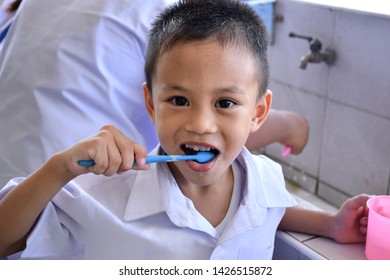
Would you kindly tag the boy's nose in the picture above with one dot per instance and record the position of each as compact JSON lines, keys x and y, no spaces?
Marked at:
{"x":201,"y":122}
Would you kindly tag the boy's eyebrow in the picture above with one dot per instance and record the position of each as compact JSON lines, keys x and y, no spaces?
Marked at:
{"x":170,"y":87}
{"x":229,"y":89}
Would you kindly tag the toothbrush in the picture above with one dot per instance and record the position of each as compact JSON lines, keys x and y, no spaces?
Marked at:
{"x":287,"y":150}
{"x":200,"y":157}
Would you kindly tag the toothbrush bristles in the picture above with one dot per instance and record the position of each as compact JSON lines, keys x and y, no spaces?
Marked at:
{"x":203,"y":157}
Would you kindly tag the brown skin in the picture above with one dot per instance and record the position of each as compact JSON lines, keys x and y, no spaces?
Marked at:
{"x":348,"y":225}
{"x":285,"y":127}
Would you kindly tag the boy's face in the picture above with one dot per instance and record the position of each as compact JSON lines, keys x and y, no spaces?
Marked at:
{"x":205,"y":97}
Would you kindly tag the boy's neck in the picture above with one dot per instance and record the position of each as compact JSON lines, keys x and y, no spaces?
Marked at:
{"x":212,"y":201}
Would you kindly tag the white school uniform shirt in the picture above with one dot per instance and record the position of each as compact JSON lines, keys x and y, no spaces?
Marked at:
{"x":144,"y":215}
{"x":68,"y":67}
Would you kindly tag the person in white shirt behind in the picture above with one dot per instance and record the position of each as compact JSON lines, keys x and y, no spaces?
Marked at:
{"x":206,"y":90}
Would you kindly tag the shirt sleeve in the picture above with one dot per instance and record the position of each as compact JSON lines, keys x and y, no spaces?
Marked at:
{"x":58,"y":234}
{"x":273,"y":182}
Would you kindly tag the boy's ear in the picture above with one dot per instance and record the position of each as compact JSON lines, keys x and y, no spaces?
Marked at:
{"x":262,"y":109}
{"x":148,"y":101}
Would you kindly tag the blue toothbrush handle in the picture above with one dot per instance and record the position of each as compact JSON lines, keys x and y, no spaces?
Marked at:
{"x":200,"y":157}
{"x":149,"y":159}
{"x":158,"y":158}
{"x":86,"y":163}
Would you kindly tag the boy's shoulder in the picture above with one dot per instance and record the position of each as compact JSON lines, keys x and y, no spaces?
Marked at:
{"x":260,"y":162}
{"x":265,"y":179}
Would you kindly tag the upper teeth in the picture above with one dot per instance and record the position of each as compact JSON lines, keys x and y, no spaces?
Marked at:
{"x":198,"y":148}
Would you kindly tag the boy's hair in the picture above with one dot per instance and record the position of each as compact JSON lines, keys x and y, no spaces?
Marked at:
{"x":230,"y":22}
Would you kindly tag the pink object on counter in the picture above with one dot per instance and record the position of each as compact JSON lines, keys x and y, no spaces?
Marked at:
{"x":287,"y":150}
{"x":378,"y":229}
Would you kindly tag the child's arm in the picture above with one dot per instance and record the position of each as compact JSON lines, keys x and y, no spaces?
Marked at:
{"x":348,"y":225}
{"x":285,"y":127}
{"x":20,"y":208}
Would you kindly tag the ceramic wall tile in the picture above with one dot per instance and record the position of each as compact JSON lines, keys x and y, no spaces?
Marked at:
{"x":360,"y":77}
{"x":300,"y":177}
{"x":355,"y":155}
{"x":286,"y":52}
{"x":331,"y":195}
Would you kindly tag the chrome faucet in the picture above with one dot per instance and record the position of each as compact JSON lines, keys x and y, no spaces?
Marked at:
{"x":315,"y":55}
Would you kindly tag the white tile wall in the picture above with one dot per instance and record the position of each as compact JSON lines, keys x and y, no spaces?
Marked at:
{"x":285,"y":54}
{"x":361,"y":78}
{"x":356,"y":151}
{"x":331,"y":194}
{"x":346,"y":104}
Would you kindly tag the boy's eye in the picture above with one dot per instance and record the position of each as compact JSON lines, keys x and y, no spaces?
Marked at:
{"x":225,"y":103}
{"x":179,"y":101}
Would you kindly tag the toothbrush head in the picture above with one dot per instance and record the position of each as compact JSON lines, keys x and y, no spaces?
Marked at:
{"x":203,"y":157}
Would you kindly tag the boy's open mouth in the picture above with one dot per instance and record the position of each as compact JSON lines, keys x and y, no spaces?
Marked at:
{"x":193,"y":149}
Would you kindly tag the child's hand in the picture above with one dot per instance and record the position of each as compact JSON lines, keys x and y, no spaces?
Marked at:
{"x":111,"y":151}
{"x":350,"y":223}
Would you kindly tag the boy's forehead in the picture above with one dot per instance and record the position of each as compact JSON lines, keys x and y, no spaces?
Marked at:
{"x":195,"y":49}
{"x":205,"y":60}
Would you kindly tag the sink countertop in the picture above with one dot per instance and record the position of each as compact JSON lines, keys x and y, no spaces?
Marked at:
{"x":306,"y":246}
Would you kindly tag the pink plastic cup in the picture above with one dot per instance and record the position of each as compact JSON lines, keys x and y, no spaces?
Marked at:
{"x":378,"y":228}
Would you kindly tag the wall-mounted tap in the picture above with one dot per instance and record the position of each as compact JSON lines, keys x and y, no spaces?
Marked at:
{"x":315,"y":55}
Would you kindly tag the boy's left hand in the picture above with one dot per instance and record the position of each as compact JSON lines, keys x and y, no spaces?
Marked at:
{"x":350,"y":223}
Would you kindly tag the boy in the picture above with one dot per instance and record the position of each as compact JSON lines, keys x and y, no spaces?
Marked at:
{"x":54,"y":89}
{"x":206,"y":89}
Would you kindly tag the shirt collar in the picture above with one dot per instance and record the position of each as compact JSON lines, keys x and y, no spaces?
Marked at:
{"x":265,"y":183}
{"x":155,"y":191}
{"x":264,"y":188}
{"x":144,"y":199}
